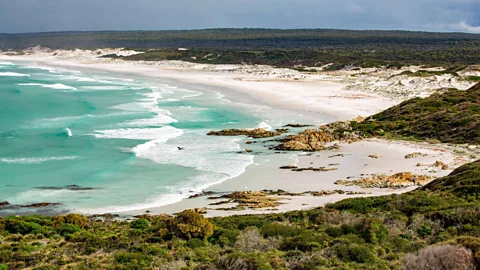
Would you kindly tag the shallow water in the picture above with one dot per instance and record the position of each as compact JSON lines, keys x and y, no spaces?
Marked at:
{"x":139,"y":143}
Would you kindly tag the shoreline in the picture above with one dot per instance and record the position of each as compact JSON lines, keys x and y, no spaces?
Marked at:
{"x":338,"y":104}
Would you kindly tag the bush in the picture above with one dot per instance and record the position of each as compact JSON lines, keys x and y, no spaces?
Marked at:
{"x":190,"y":224}
{"x":14,"y":225}
{"x":439,"y":257}
{"x":75,"y":219}
{"x":140,"y":224}
{"x":251,"y":240}
{"x":307,"y":241}
{"x":424,"y":230}
{"x":133,"y":260}
{"x":3,"y":267}
{"x":66,"y":229}
{"x":195,"y":243}
{"x":279,"y":229}
{"x":354,"y":253}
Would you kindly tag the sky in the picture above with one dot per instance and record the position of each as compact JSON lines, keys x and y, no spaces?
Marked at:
{"x":19,"y":16}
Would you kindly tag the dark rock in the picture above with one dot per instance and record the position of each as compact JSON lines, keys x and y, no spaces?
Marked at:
{"x":252,"y":133}
{"x":5,"y":203}
{"x":297,"y":125}
{"x":40,"y":205}
{"x":288,"y":167}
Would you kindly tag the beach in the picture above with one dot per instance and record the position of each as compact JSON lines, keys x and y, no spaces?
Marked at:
{"x":291,"y":96}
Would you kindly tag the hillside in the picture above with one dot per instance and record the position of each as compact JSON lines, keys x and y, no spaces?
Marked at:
{"x":464,"y":181}
{"x":450,"y":117}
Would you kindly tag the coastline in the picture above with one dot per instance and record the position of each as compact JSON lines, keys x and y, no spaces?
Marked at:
{"x":332,"y":103}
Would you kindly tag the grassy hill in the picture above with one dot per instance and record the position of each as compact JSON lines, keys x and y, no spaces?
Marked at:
{"x":450,"y":117}
{"x":464,"y":181}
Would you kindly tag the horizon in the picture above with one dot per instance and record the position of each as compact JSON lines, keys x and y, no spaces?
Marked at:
{"x":244,"y":28}
{"x":30,"y":16}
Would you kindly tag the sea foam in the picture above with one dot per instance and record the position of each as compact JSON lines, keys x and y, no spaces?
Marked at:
{"x":13,"y":74}
{"x":34,"y":160}
{"x":52,"y":86}
{"x":158,"y":134}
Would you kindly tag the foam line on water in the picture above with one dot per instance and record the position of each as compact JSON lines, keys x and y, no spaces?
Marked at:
{"x":216,"y":159}
{"x":13,"y":74}
{"x":49,"y":69}
{"x":6,"y":63}
{"x":34,"y":160}
{"x":58,"y":86}
{"x":162,"y":134}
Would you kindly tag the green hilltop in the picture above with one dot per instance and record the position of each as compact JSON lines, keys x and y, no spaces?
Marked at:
{"x":450,"y":117}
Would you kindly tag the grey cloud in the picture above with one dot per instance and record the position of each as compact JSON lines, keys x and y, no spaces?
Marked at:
{"x":60,"y":15}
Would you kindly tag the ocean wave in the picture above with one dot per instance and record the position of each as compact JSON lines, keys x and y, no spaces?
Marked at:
{"x":105,"y":87}
{"x":264,"y":126}
{"x":216,"y":159}
{"x":158,"y":120}
{"x":165,"y":199}
{"x":34,"y":160}
{"x":218,"y":155}
{"x":58,"y":86}
{"x":13,"y":74}
{"x":153,"y":135}
{"x":49,"y":69}
{"x":65,"y":121}
{"x":6,"y":63}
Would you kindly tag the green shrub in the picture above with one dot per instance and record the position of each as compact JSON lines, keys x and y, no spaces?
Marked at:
{"x":279,"y":229}
{"x":195,"y":243}
{"x":354,"y":253}
{"x":79,"y":220}
{"x":3,"y":267}
{"x":140,"y":224}
{"x":190,"y":224}
{"x":424,"y":230}
{"x":66,"y":229}
{"x":14,"y":225}
{"x":133,"y":260}
{"x":306,"y":241}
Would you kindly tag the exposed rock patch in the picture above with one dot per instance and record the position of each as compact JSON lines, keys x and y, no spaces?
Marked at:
{"x":297,"y":125}
{"x":415,"y":155}
{"x":319,"y":139}
{"x":252,"y":133}
{"x":399,"y":180}
{"x":69,"y":187}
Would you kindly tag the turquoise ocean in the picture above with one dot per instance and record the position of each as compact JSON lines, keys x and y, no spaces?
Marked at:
{"x":136,"y":142}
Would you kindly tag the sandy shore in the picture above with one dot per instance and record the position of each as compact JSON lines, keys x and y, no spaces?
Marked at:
{"x":320,"y":96}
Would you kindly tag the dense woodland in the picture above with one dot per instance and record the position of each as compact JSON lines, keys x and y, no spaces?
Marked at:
{"x":285,"y":48}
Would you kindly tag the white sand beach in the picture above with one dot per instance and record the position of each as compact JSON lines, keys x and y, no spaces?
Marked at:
{"x":324,"y":96}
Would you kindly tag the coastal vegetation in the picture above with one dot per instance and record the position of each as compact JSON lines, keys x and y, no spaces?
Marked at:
{"x":297,"y":48}
{"x":390,"y":232}
{"x":450,"y":117}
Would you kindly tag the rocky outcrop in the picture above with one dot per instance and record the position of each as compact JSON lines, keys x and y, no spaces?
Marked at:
{"x":312,"y":140}
{"x":8,"y":206}
{"x":320,"y":169}
{"x":415,"y":155}
{"x":289,"y":167}
{"x":297,"y":125}
{"x":248,"y":199}
{"x":252,"y":133}
{"x":399,"y":180}
{"x":69,"y":187}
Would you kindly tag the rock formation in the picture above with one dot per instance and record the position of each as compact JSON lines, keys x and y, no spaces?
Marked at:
{"x":252,"y":133}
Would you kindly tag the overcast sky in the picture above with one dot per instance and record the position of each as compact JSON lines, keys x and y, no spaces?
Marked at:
{"x":60,"y":15}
